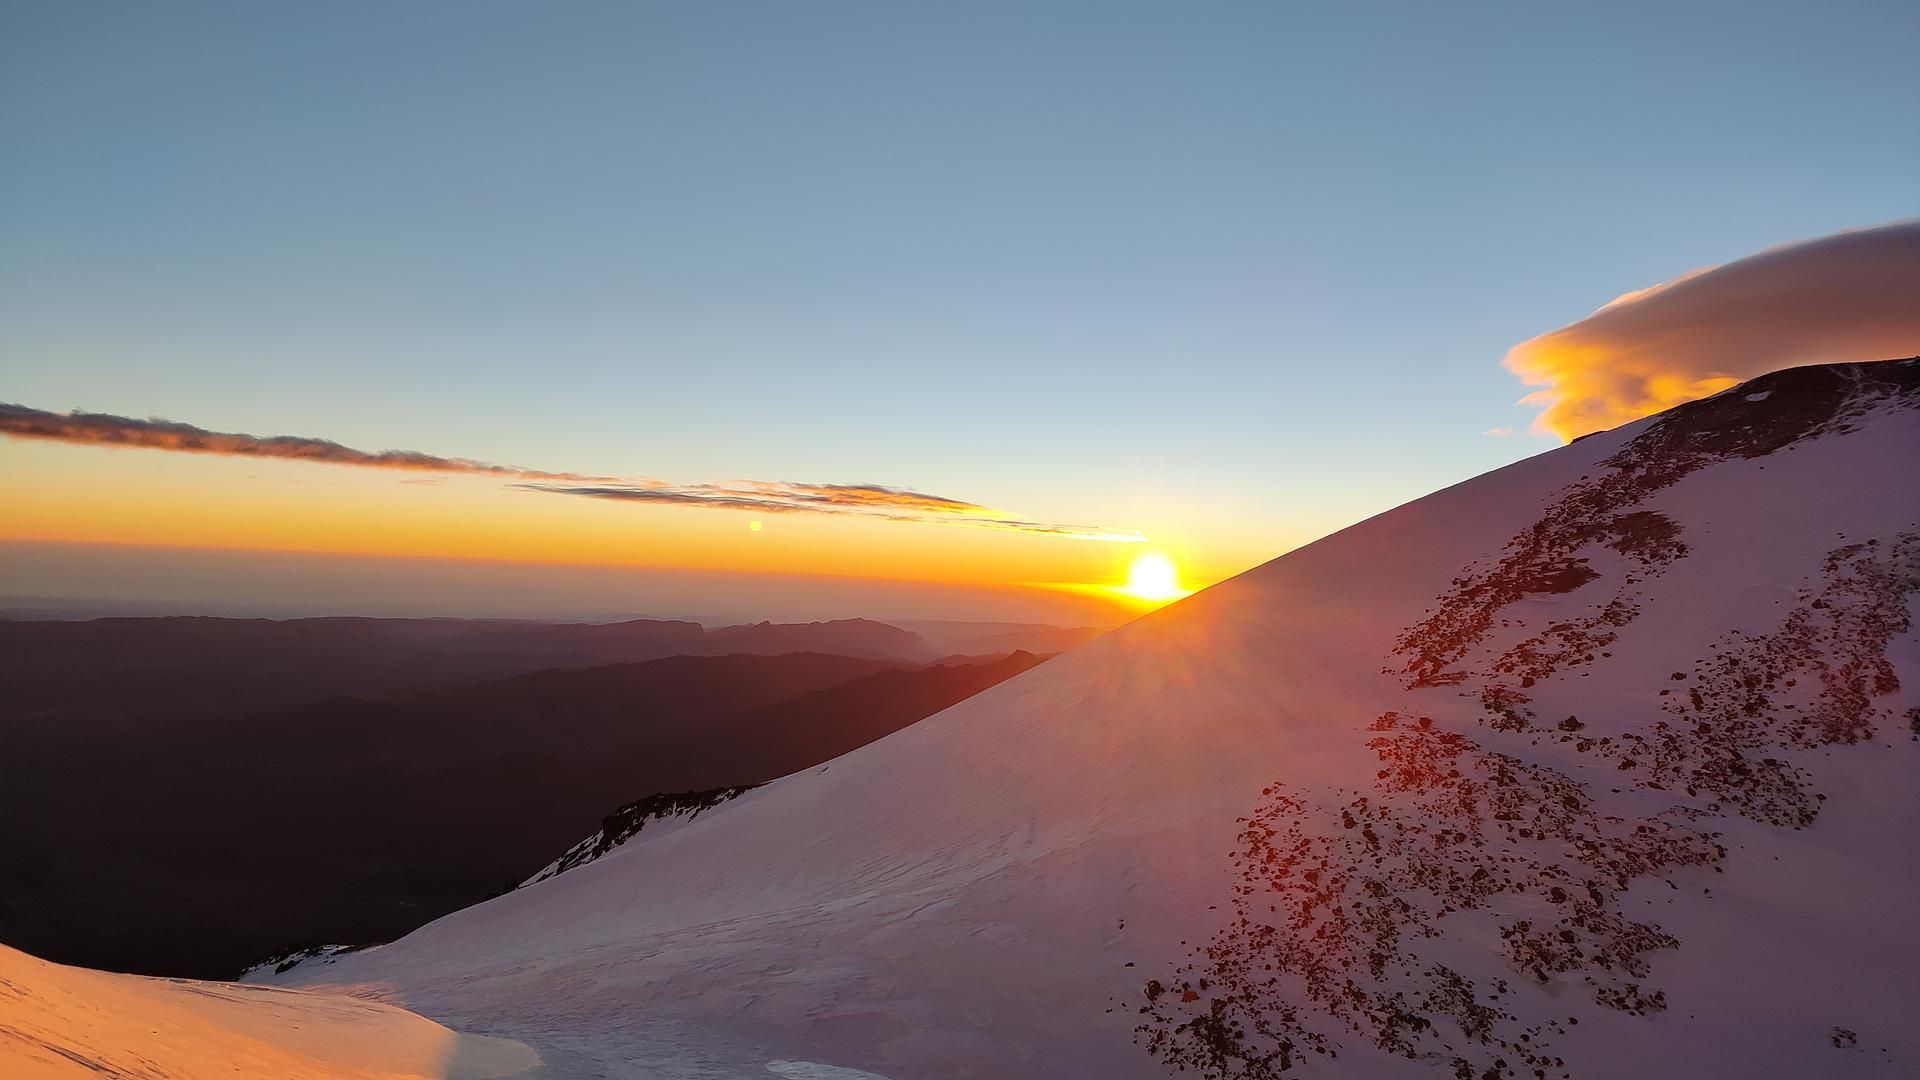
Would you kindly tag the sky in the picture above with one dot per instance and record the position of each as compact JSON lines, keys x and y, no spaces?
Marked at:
{"x":1203,"y":281}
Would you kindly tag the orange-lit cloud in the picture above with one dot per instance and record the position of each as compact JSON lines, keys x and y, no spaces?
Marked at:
{"x":867,"y":500}
{"x":1850,"y":296}
{"x":864,"y":500}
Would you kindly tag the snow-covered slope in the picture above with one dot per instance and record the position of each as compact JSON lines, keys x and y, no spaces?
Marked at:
{"x":666,"y":812}
{"x":1600,"y":765}
{"x":58,"y":1022}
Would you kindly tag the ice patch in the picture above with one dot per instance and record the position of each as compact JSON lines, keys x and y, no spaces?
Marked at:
{"x":813,"y":1070}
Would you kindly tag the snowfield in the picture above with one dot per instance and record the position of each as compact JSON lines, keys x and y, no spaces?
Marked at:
{"x":1602,"y":765}
{"x":1434,"y":796}
{"x":59,"y":1022}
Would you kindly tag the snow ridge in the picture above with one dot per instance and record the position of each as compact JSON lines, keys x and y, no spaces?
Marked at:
{"x":1631,"y":796}
{"x":625,"y":823}
{"x":1339,"y":908}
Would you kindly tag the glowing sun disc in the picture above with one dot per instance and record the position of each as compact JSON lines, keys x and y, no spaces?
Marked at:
{"x":1153,"y":577}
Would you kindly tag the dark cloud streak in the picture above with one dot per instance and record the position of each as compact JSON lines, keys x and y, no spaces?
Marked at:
{"x":875,"y":501}
{"x":105,"y":429}
{"x":872,"y":501}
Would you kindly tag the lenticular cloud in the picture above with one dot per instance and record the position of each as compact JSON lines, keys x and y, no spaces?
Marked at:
{"x":1850,"y":296}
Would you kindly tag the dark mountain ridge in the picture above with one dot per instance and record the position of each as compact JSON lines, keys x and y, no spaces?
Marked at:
{"x":196,"y":846}
{"x":115,"y":668}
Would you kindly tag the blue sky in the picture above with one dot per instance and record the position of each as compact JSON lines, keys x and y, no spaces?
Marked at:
{"x":1246,"y":271}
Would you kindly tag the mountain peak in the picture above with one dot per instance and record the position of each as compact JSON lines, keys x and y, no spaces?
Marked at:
{"x":1598,"y":765}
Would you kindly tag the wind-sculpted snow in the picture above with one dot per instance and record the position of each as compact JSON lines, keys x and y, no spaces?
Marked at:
{"x":67,"y":1023}
{"x":1348,"y":903}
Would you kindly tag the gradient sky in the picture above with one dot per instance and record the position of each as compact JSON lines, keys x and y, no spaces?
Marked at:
{"x":1232,"y":276}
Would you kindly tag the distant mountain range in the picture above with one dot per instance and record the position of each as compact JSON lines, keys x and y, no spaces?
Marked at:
{"x":177,"y":797}
{"x":1601,"y":765}
{"x":153,"y":666}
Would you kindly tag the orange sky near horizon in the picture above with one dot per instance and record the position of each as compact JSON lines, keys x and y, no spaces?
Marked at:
{"x":1164,"y":274}
{"x":60,"y":493}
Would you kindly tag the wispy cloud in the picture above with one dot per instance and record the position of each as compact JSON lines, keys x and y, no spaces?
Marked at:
{"x":867,"y":500}
{"x":1850,"y":296}
{"x":875,"y":501}
{"x":105,"y":429}
{"x":1498,"y":433}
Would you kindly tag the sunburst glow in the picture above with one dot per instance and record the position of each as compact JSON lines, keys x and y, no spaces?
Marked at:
{"x":1154,"y":578}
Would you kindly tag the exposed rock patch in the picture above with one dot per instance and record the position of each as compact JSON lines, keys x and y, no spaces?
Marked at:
{"x":1338,"y":895}
{"x":627,"y":822}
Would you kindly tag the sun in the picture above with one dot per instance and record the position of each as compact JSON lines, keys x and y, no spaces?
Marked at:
{"x":1153,"y":578}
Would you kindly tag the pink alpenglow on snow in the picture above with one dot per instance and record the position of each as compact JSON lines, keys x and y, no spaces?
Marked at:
{"x":1599,"y":765}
